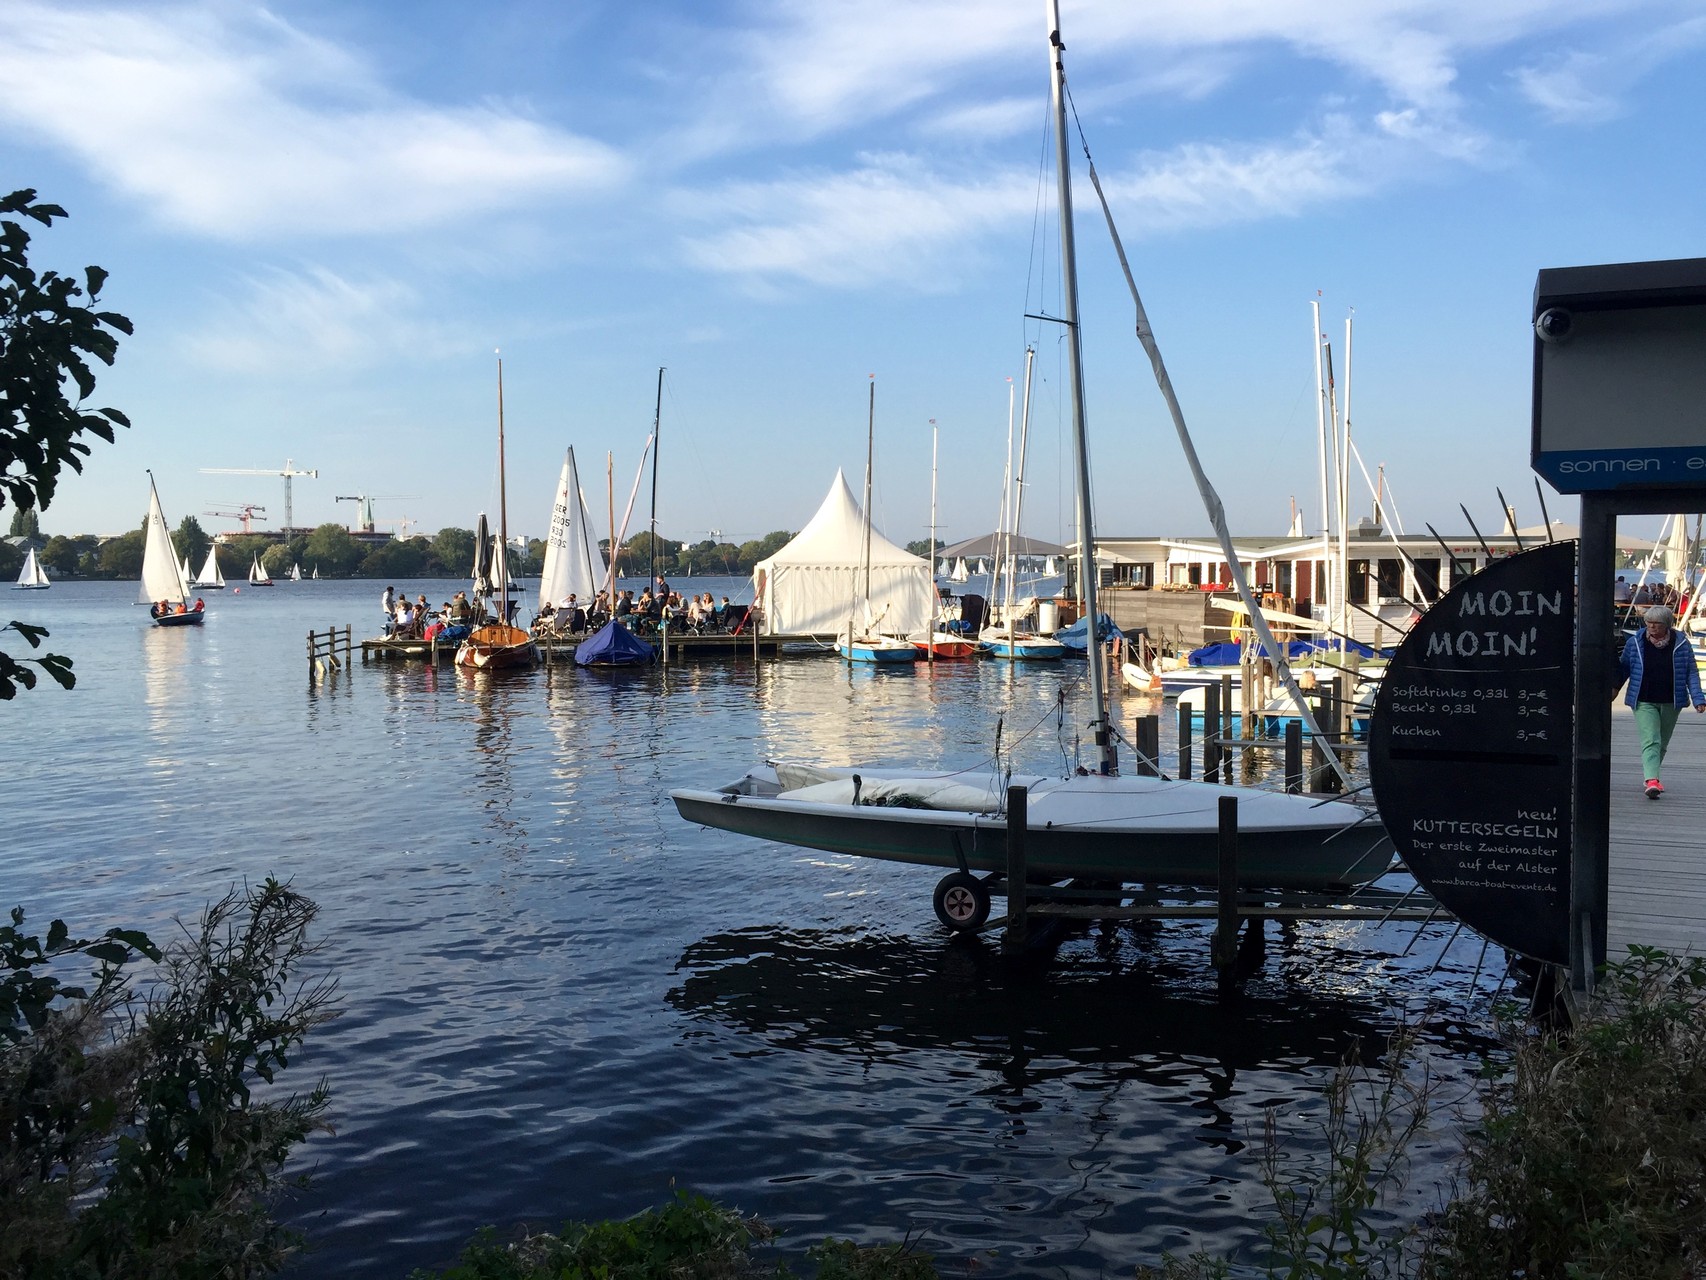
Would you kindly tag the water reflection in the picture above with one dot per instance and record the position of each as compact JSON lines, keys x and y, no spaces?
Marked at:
{"x":1118,"y":1007}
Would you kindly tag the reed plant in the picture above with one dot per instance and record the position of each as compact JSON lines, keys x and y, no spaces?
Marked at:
{"x":132,"y":1140}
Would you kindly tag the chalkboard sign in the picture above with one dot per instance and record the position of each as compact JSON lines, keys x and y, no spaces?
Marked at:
{"x":1470,"y":750}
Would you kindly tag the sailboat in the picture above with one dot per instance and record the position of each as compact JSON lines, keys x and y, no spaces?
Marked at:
{"x":960,"y":572}
{"x":316,"y":574}
{"x":259,"y":577}
{"x":940,"y":642}
{"x":296,"y":573}
{"x":210,"y":579}
{"x":573,"y":564}
{"x":867,"y":643}
{"x":1008,"y":640}
{"x":31,"y":578}
{"x":1093,"y":824}
{"x":498,"y":646}
{"x":163,"y":586}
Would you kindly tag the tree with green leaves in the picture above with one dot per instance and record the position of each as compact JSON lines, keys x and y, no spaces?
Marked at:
{"x":26,"y":524}
{"x":48,"y":339}
{"x":191,"y":541}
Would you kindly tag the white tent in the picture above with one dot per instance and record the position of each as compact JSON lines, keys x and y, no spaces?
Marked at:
{"x":811,"y":585}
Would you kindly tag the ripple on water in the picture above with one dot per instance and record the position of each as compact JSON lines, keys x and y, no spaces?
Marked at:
{"x":558,"y":997}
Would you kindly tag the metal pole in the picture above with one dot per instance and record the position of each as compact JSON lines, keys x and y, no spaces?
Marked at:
{"x":1590,"y":860}
{"x":1075,"y":367}
{"x":657,"y":420}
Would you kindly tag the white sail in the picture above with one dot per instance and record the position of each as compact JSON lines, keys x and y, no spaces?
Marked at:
{"x":184,"y":569}
{"x":162,"y":579}
{"x":983,"y":568}
{"x":257,"y":574}
{"x":296,"y":573}
{"x":960,"y":573}
{"x":572,"y":559}
{"x":210,"y":575}
{"x":32,"y":575}
{"x":1051,"y":569}
{"x":316,"y":574}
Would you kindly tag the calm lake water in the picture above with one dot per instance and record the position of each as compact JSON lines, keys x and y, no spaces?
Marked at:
{"x":559,"y":997}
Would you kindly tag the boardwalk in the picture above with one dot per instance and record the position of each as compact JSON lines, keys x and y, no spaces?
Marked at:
{"x":1658,"y":847}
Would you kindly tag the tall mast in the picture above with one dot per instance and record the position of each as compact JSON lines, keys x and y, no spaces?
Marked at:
{"x":1322,"y":597}
{"x":1019,"y":489}
{"x":870,"y":455}
{"x":1075,"y":367}
{"x":657,"y":420}
{"x":503,"y":507}
{"x":930,"y":648}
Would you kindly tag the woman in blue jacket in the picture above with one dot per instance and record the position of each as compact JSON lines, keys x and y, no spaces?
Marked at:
{"x":1658,"y":662}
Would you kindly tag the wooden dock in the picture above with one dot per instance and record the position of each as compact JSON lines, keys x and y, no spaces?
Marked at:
{"x":682,"y":647}
{"x":1658,"y":847}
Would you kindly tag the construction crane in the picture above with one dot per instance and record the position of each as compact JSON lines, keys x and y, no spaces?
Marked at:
{"x":245,"y":513}
{"x":288,"y":472}
{"x":364,"y":511}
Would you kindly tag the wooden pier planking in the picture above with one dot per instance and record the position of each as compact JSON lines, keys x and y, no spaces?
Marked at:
{"x":1658,"y":847}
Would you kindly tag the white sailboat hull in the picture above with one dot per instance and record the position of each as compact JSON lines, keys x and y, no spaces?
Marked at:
{"x":1133,"y":830}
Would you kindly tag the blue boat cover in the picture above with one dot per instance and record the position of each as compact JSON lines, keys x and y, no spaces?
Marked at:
{"x":1227,"y":653}
{"x":615,"y":646}
{"x":1076,"y":637}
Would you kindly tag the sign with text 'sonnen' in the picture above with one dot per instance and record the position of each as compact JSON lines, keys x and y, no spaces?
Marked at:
{"x":1470,"y":750}
{"x":1620,"y":375}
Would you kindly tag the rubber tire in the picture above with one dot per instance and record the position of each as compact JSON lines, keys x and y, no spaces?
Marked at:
{"x":961,"y":902}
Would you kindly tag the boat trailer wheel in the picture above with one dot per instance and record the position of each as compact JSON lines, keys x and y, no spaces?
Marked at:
{"x":961,"y":901}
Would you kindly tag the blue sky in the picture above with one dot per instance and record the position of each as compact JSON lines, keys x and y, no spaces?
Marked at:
{"x":324,"y":216}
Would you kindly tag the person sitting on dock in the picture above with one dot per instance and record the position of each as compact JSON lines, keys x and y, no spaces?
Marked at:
{"x":459,"y":608}
{"x":405,"y":622}
{"x":624,"y":604}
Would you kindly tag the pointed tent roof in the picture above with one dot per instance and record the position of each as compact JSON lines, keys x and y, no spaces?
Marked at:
{"x":836,"y":536}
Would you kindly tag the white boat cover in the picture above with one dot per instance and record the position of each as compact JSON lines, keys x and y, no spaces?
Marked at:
{"x":806,"y":588}
{"x":572,"y":559}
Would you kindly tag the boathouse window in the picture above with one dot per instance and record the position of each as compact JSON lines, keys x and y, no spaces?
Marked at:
{"x":1193,"y":574}
{"x":1390,"y":576}
{"x":1282,"y":577}
{"x":1358,"y":584}
{"x":1427,"y":579}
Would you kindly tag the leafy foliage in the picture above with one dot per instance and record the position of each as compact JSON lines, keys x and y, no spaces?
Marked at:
{"x":15,"y":673}
{"x":46,"y":338}
{"x":134,"y":1145}
{"x":689,"y":1238}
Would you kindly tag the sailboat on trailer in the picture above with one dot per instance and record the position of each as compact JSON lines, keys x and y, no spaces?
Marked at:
{"x":163,"y":587}
{"x":1097,"y":825}
{"x":499,"y":645}
{"x":31,"y":578}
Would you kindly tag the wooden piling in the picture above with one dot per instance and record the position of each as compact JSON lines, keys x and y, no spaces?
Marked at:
{"x":1184,"y":770}
{"x":1018,"y":917}
{"x":1224,"y":948}
{"x":1294,"y":755}
{"x":1146,"y":743}
{"x":1226,"y":753}
{"x":1211,"y":733}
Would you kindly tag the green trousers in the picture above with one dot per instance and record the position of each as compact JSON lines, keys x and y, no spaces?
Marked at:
{"x":1655,"y":722}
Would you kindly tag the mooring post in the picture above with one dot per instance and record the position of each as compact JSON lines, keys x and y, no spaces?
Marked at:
{"x":1146,"y":741}
{"x":1018,"y":920}
{"x":1224,"y":949}
{"x":663,"y":635}
{"x":1226,"y":731}
{"x":1294,"y":755}
{"x":1184,"y":742}
{"x":1211,"y":733}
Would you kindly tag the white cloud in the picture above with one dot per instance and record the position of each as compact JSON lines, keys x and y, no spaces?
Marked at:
{"x":316,"y":320}
{"x":896,"y":219}
{"x":230,"y":123}
{"x":1577,"y":87}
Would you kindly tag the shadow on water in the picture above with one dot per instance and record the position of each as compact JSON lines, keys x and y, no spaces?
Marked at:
{"x":1121,"y":1005}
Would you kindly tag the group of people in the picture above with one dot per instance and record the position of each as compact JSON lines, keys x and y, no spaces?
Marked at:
{"x":160,"y":608}
{"x":652,"y":609}
{"x":407,"y":619}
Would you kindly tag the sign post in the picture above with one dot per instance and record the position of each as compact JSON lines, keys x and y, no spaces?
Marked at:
{"x":1619,"y":418}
